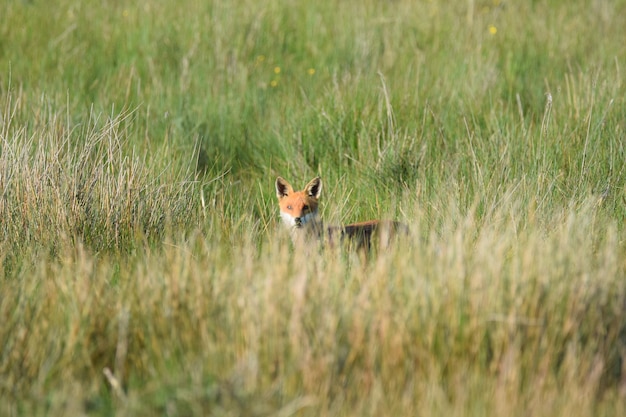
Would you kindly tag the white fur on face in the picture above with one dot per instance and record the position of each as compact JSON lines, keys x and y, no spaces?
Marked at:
{"x":290,"y":221}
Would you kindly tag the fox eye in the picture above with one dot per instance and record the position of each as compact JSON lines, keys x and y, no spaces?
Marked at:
{"x":289,"y":208}
{"x":305,"y":208}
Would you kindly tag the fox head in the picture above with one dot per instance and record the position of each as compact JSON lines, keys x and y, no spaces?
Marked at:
{"x":298,"y":208}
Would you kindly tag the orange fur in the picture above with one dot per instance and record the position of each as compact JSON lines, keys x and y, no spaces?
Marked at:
{"x":299,"y":213}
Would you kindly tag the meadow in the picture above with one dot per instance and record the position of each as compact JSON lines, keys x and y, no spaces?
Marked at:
{"x":143,"y":270}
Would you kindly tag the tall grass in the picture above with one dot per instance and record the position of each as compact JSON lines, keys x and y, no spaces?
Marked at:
{"x":475,"y":317}
{"x":63,"y":183}
{"x":143,"y":271}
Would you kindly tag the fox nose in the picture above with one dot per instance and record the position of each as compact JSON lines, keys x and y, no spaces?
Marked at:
{"x":298,"y":221}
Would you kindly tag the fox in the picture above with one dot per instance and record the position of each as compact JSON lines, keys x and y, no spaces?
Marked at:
{"x":299,"y":214}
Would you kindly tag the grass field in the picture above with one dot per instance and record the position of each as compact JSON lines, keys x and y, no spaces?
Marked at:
{"x":143,"y":270}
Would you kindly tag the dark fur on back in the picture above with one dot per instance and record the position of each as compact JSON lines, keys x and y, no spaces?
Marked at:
{"x":360,"y":234}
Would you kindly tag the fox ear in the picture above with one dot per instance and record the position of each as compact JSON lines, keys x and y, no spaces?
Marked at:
{"x":283,"y":188}
{"x":314,"y":188}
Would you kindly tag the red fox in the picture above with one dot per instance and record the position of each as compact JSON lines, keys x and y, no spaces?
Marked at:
{"x":298,"y":211}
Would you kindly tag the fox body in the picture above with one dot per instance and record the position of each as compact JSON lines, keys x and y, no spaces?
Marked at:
{"x":299,"y":213}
